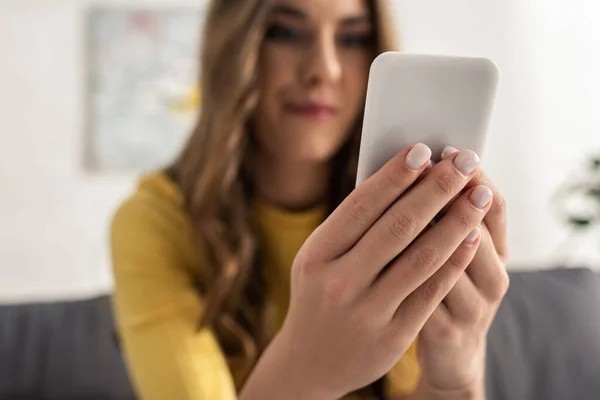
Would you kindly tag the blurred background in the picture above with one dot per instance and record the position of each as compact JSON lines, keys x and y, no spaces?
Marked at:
{"x":60,"y":179}
{"x":95,"y":92}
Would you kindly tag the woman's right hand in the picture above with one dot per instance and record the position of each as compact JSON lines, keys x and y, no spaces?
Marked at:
{"x":366,"y":281}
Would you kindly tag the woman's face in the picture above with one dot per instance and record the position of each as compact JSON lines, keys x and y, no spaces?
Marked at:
{"x":313,"y":75}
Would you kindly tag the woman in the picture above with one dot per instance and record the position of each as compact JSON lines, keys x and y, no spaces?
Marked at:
{"x":252,"y":269}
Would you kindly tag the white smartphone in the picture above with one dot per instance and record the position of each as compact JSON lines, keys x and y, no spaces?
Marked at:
{"x":437,"y":100}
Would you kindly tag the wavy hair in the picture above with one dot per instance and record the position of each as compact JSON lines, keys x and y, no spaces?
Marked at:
{"x":214,"y":173}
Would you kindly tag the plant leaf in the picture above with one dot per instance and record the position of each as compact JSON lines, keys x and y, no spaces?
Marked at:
{"x":580,"y":222}
{"x":594,"y":192}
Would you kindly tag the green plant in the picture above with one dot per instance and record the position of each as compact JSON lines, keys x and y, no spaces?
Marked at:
{"x":580,"y":200}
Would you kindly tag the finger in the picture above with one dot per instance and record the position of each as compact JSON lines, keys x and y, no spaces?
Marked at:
{"x":423,"y":232}
{"x":448,"y":151}
{"x":424,"y":173}
{"x":464,"y":302}
{"x":431,"y":251}
{"x":345,"y":226}
{"x":426,"y":300}
{"x":487,"y":271}
{"x":407,"y":217}
{"x":495,"y":220}
{"x":446,"y":207}
{"x":440,"y":317}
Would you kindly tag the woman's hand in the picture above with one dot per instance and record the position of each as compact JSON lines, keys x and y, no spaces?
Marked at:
{"x":452,"y":344}
{"x":351,"y":318}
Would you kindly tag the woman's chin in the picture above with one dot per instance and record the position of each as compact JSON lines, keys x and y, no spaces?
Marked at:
{"x":318,"y":146}
{"x":317,"y":151}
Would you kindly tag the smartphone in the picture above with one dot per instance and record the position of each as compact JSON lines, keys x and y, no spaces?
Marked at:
{"x":436,"y":100}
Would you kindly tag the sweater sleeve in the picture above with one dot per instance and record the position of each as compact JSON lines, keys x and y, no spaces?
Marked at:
{"x":158,"y":310}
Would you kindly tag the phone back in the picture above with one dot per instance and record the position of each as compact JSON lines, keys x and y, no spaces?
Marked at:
{"x":436,"y":100}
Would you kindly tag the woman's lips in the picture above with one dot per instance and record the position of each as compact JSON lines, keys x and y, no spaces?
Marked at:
{"x":311,"y":110}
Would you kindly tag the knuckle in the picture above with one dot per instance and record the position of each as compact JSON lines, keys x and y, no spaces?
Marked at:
{"x":362,"y":207}
{"x":458,"y":261}
{"x":504,"y":254}
{"x":448,"y":332}
{"x":311,"y":257}
{"x":337,"y":291}
{"x":443,"y":184}
{"x":426,"y":258}
{"x":433,"y":290}
{"x":397,"y":337}
{"x":465,"y":220}
{"x":401,"y":224}
{"x":475,"y":312}
{"x":311,"y":250}
{"x":500,"y":285}
{"x":499,"y":204}
{"x":480,"y":177}
{"x":305,"y":262}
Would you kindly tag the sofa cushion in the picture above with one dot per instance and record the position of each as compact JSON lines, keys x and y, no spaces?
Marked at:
{"x":61,"y":351}
{"x":545,"y":340}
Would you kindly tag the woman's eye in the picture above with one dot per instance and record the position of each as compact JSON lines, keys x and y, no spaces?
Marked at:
{"x":356,"y":40}
{"x":279,"y":32}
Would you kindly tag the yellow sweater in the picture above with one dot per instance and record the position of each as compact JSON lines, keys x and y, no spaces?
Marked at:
{"x":156,"y":263}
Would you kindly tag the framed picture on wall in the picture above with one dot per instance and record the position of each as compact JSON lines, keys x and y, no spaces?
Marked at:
{"x":142,"y":92}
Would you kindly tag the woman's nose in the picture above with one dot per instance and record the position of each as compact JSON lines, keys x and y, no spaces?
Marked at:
{"x":323,"y":63}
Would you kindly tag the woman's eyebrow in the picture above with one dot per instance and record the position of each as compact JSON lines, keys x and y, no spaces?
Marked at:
{"x":355,"y":20}
{"x":289,"y":11}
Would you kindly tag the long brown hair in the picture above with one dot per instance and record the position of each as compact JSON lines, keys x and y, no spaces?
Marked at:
{"x":214,"y":174}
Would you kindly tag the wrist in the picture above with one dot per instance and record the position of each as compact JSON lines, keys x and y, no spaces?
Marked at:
{"x":466,"y":384}
{"x":473,"y":391}
{"x":277,"y":376}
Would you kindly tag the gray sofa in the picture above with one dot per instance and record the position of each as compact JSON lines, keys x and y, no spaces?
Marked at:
{"x":544,"y":344}
{"x":61,"y":351}
{"x":545,"y":341}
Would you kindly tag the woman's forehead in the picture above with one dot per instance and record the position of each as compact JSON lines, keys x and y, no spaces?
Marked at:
{"x":321,"y":9}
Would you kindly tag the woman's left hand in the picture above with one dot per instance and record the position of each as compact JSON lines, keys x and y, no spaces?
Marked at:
{"x":452,"y":344}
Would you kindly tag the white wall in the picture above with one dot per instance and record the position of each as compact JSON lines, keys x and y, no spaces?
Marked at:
{"x":546,"y":120}
{"x":54,"y":214}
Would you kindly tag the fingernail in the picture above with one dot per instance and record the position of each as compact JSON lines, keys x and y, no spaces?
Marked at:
{"x":448,"y":151}
{"x":481,"y":196}
{"x":466,"y":162}
{"x":472,"y":237}
{"x":418,"y":156}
